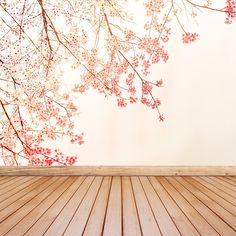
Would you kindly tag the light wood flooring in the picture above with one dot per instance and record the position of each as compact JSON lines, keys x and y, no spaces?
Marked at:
{"x":115,"y":206}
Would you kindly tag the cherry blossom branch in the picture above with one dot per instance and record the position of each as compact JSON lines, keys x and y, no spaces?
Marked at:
{"x":10,"y":122}
{"x":208,"y":7}
{"x":31,"y":40}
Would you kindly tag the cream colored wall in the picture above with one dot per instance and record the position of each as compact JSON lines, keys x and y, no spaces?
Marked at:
{"x":199,"y":102}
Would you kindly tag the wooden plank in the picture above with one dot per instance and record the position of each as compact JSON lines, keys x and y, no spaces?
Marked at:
{"x":150,"y":206}
{"x":181,"y":221}
{"x":113,"y":221}
{"x":59,"y":215}
{"x":215,"y":197}
{"x":18,"y":203}
{"x":79,"y":220}
{"x":216,"y":222}
{"x":54,"y":193}
{"x":221,"y":185}
{"x":21,"y":194}
{"x":59,"y":226}
{"x":20,"y":180}
{"x":223,"y":182}
{"x":119,"y":170}
{"x":147,"y":219}
{"x":165,"y":222}
{"x":214,"y":206}
{"x":8,"y":181}
{"x":130,"y":217}
{"x":96,"y":219}
{"x":3,"y":177}
{"x":17,"y":216}
{"x":230,"y":179}
{"x":193,"y":215}
{"x":218,"y":189}
{"x":233,"y":178}
{"x":20,"y":188}
{"x":148,"y":222}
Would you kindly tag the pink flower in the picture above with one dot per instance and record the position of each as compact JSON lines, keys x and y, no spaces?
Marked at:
{"x":71,"y":160}
{"x":159,"y":83}
{"x":130,"y":78}
{"x":145,"y":101}
{"x":161,"y":118}
{"x":132,"y":90}
{"x":157,"y":102}
{"x":146,"y":88}
{"x":48,"y":162}
{"x":133,"y":100}
{"x":231,"y":11}
{"x":189,"y":38}
{"x":121,"y":103}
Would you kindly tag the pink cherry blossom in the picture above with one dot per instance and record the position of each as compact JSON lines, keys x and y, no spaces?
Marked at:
{"x":189,"y":38}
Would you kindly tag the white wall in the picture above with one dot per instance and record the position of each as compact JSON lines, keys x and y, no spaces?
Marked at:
{"x":199,"y":102}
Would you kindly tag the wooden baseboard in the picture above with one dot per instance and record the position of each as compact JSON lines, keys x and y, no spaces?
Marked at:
{"x":120,"y":170}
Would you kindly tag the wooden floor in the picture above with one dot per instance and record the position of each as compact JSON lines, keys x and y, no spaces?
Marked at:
{"x":39,"y":205}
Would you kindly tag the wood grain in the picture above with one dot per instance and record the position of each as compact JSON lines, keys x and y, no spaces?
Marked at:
{"x":80,"y":218}
{"x":61,"y":222}
{"x":211,"y":217}
{"x":164,"y":220}
{"x":117,"y":206}
{"x":95,"y":222}
{"x":131,"y":225}
{"x":147,"y":219}
{"x":182,"y":222}
{"x":120,"y":170}
{"x":193,"y":215}
{"x":113,"y":221}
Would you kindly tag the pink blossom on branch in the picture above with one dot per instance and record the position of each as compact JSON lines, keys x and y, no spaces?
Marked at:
{"x":230,"y":9}
{"x":189,"y":38}
{"x":159,"y":83}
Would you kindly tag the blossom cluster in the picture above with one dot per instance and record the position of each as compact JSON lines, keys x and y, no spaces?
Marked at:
{"x":230,"y":9}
